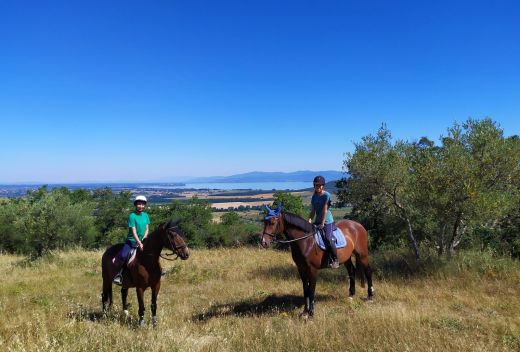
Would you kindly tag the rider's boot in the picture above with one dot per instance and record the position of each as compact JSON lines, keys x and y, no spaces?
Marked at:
{"x":333,"y":255}
{"x":118,"y":279}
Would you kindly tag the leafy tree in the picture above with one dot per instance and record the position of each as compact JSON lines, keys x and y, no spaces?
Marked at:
{"x":290,"y":202}
{"x":51,"y":221}
{"x":380,"y":181}
{"x":111,"y":212}
{"x":195,"y":217}
{"x":464,"y":191}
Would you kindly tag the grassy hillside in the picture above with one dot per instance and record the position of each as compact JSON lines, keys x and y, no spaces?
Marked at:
{"x":249,"y":300}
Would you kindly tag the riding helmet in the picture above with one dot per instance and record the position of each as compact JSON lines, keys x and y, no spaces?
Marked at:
{"x":140,"y":198}
{"x":319,"y":180}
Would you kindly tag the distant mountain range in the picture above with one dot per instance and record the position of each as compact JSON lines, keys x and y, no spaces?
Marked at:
{"x":259,"y":176}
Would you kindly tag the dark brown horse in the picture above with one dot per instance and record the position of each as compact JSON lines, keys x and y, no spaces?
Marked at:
{"x":310,"y":258}
{"x":147,"y":271}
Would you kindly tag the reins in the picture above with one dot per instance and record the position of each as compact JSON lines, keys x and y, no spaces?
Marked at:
{"x":273,"y":236}
{"x":175,"y":248}
{"x":287,"y":241}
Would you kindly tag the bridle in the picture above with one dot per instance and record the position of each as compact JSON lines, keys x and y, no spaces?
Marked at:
{"x":175,"y":249}
{"x":273,"y":235}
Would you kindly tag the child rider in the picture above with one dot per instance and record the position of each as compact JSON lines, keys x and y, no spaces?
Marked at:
{"x":138,"y":226}
{"x":320,"y":202}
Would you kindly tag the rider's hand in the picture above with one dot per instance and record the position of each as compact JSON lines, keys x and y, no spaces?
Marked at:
{"x":310,"y":221}
{"x":141,"y":246}
{"x":320,"y":226}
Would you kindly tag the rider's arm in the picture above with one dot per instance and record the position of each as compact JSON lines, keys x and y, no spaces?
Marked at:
{"x":134,"y":233}
{"x":324,"y":217}
{"x":311,"y":215}
{"x":146,"y":232}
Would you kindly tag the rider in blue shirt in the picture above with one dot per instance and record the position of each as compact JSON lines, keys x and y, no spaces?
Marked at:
{"x":320,"y":203}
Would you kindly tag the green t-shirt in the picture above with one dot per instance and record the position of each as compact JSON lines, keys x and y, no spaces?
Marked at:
{"x":139,"y":221}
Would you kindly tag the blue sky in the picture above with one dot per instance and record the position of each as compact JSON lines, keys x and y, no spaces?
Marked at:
{"x":147,"y":90}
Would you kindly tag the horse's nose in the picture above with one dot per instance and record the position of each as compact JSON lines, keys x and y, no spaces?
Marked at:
{"x":264,"y":243}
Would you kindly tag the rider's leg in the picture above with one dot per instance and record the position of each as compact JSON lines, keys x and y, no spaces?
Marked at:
{"x":332,"y":245}
{"x":120,"y":263}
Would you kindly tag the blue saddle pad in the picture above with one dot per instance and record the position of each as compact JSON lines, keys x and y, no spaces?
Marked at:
{"x":337,"y":236}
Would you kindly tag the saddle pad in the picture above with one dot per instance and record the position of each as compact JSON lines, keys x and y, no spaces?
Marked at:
{"x":132,"y":258}
{"x":337,"y":236}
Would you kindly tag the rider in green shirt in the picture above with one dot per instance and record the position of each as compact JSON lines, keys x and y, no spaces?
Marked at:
{"x":138,"y":227}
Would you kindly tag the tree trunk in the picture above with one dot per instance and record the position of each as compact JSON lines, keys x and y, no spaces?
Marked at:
{"x":455,"y":235}
{"x":440,"y":240}
{"x":409,"y":229}
{"x":411,"y":238}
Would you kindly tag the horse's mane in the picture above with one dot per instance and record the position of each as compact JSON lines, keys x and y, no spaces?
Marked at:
{"x":297,"y":221}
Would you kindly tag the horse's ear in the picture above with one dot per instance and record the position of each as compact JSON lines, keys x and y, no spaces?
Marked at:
{"x":268,"y":210}
{"x":168,"y":224}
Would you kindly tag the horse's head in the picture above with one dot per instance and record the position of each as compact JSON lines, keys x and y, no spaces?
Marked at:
{"x":173,"y":239}
{"x":272,"y":225}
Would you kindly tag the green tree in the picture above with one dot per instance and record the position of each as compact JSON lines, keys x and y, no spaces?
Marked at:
{"x":50,"y":221}
{"x":195,"y":216}
{"x":464,"y":191}
{"x":380,"y":181}
{"x":111,"y":213}
{"x":290,"y":202}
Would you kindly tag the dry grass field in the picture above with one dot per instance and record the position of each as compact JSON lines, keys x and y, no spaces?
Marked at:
{"x":248,"y":299}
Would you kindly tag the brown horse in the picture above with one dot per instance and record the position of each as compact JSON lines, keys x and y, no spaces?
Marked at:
{"x":310,"y":258}
{"x":147,"y":271}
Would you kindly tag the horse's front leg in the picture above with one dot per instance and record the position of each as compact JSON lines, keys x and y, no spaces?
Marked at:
{"x":352,"y":277}
{"x":305,"y":283}
{"x":106,"y":296}
{"x":312,"y":288}
{"x":140,"y":294}
{"x":124,"y":296}
{"x":155,"y":292}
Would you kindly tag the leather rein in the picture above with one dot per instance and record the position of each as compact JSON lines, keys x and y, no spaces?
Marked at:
{"x":273,"y":235}
{"x":175,"y":248}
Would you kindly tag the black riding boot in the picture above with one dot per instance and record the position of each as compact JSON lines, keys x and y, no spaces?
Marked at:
{"x":333,"y":255}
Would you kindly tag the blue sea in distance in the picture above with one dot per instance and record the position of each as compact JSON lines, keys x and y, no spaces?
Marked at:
{"x":263,"y":186}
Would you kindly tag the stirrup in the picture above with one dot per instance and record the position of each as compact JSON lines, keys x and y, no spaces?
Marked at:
{"x":118,"y":279}
{"x":334,"y":264}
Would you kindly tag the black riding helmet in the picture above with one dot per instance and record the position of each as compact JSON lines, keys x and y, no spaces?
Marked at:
{"x":319,"y":180}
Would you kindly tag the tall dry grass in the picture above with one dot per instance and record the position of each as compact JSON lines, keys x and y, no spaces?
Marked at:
{"x":249,"y":299}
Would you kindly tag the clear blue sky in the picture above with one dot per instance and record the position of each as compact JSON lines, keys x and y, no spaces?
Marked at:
{"x":143,"y":90}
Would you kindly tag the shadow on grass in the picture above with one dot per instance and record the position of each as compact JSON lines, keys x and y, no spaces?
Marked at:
{"x":386,"y":265}
{"x":97,"y":316}
{"x":273,"y":304}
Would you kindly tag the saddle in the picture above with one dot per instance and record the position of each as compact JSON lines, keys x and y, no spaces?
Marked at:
{"x":132,"y":258}
{"x":337,"y":237}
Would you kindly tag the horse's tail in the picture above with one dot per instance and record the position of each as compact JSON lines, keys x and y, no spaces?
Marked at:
{"x":359,"y":271}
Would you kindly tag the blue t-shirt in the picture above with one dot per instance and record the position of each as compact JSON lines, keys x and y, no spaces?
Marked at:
{"x":318,"y":202}
{"x":139,"y":221}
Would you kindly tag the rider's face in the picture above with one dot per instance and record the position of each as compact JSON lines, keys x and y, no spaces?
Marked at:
{"x":318,"y":188}
{"x":139,"y":206}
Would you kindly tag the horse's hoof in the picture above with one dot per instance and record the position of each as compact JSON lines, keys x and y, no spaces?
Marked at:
{"x":141,"y":323}
{"x":154,"y":322}
{"x":350,"y":298}
{"x":306,"y":316}
{"x":125,"y":312}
